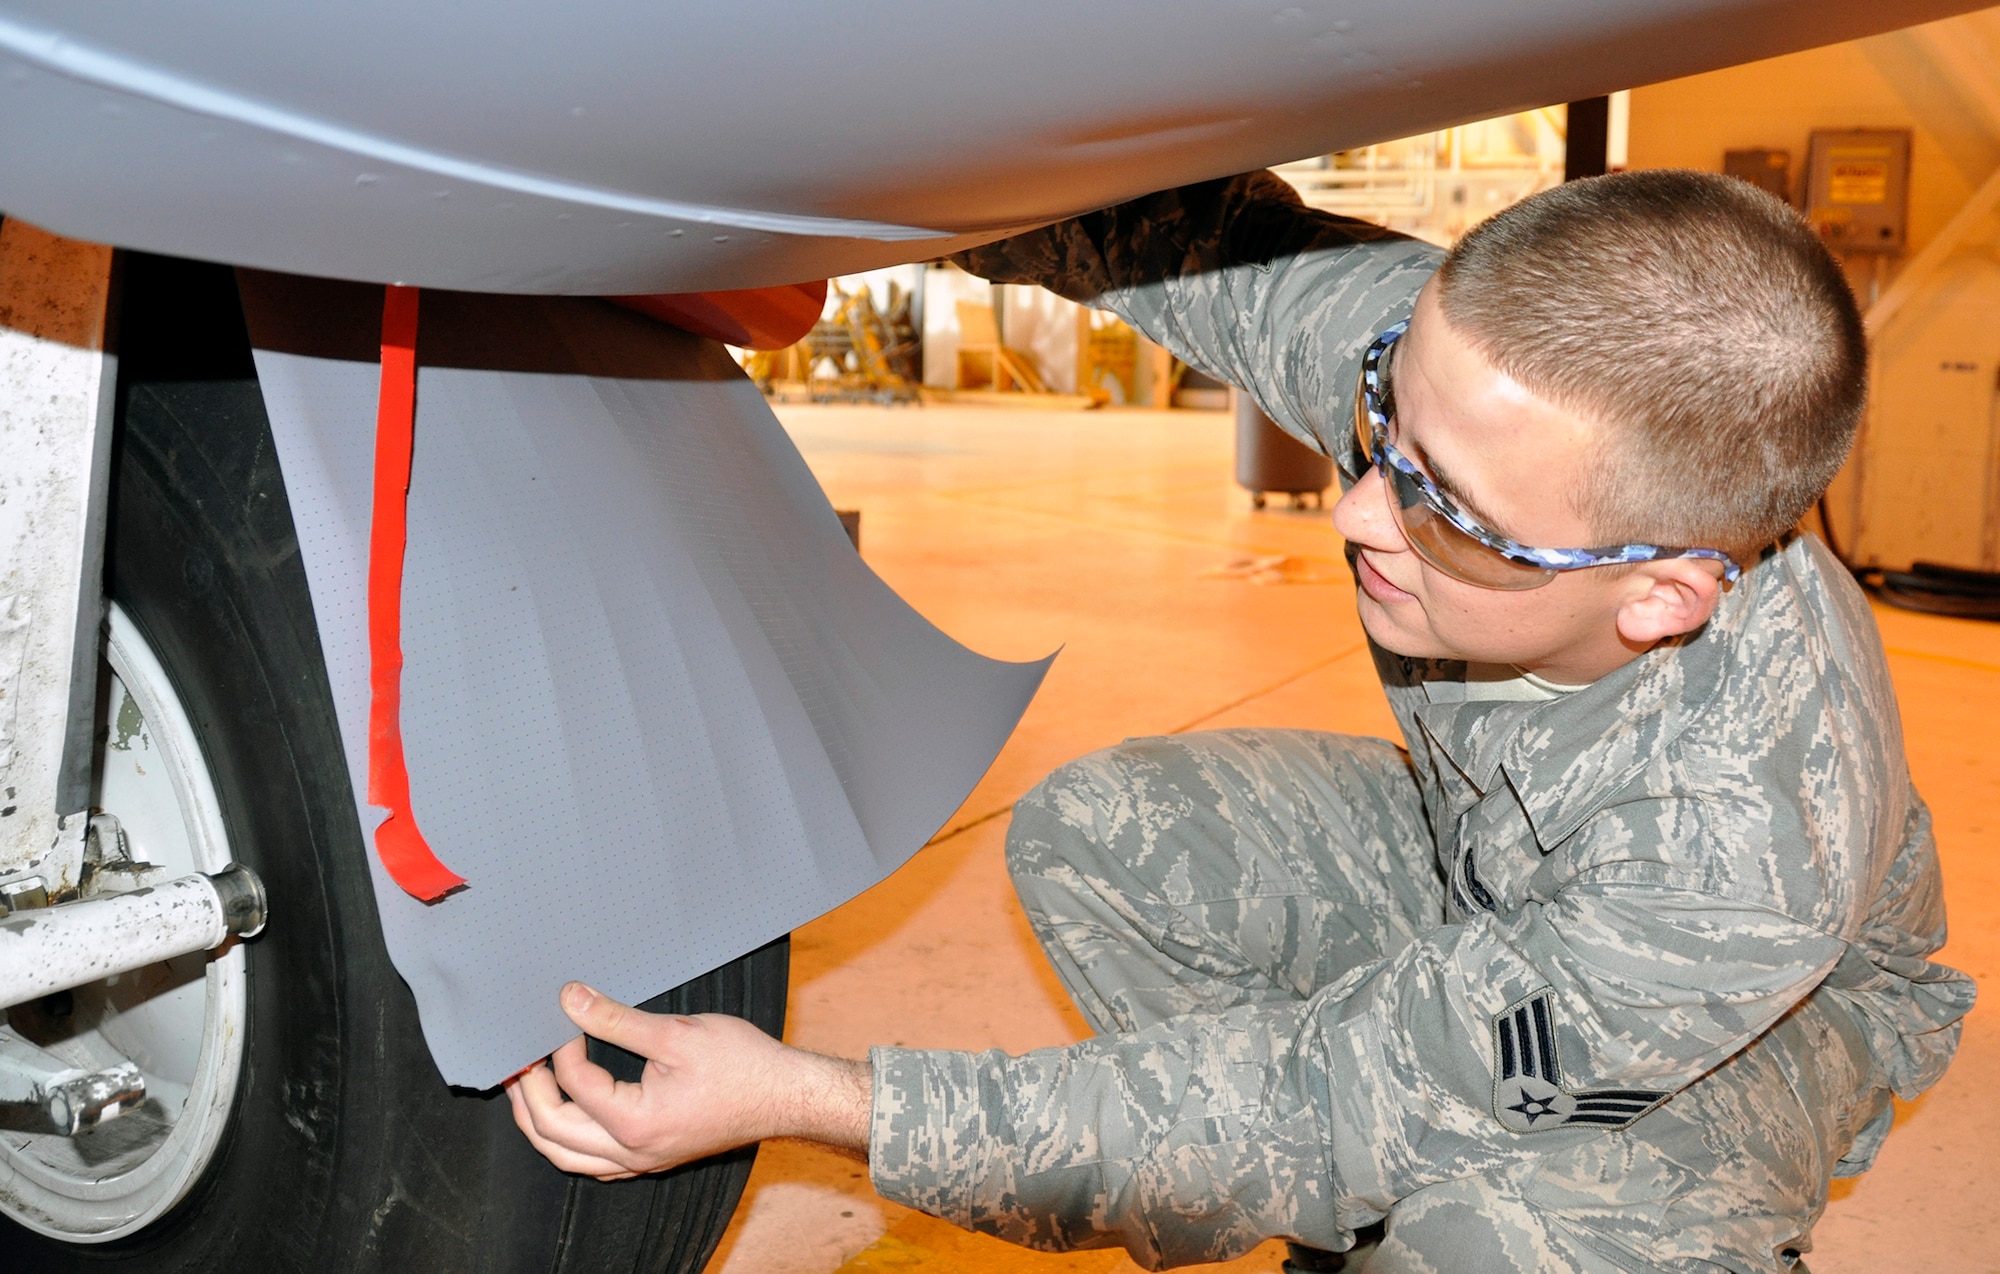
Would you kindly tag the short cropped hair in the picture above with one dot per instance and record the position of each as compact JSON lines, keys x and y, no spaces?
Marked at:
{"x":1700,"y":322}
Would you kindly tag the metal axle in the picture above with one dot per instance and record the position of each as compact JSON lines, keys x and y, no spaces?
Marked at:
{"x":48,"y":949}
{"x":40,"y":1092}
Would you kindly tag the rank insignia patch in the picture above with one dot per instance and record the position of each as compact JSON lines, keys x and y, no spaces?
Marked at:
{"x":1529,"y":1094}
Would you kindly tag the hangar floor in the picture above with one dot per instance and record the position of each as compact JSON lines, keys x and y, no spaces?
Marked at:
{"x":1120,"y":536}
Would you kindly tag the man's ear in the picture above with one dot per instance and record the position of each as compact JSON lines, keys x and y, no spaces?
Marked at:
{"x":1667,"y":598}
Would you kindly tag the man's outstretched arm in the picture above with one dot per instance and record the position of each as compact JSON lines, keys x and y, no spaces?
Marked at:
{"x":1240,"y":279}
{"x":712,"y":1083}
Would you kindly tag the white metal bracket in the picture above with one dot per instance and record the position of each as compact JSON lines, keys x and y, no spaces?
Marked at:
{"x":57,"y":382}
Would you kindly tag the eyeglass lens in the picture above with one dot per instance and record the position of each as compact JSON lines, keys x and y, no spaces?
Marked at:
{"x":1445,"y":546}
{"x":1435,"y":538}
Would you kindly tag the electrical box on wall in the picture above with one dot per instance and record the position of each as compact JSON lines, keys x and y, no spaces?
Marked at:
{"x":1769,"y":170}
{"x":1924,"y":485}
{"x":1857,"y":192}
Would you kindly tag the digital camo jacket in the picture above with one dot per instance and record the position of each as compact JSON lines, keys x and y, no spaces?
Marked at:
{"x":1640,"y":878}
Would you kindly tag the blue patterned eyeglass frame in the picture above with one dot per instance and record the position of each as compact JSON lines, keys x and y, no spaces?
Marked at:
{"x":1381,"y":453}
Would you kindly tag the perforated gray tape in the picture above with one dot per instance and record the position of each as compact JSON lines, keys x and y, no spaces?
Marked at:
{"x":656,"y":709}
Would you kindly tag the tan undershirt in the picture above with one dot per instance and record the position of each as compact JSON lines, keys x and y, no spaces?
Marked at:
{"x":1509,"y":683}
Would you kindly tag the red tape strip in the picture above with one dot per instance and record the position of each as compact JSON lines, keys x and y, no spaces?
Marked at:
{"x":401,"y":847}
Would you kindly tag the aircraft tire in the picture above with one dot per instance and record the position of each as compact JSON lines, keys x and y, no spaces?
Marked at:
{"x":344,"y":1150}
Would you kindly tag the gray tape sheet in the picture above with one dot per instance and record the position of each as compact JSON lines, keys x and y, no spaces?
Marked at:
{"x":656,"y":709}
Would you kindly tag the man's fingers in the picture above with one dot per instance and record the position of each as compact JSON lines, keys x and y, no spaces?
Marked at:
{"x":560,"y":1155}
{"x":599,"y":1015}
{"x":537,"y":1086}
{"x":610,"y":1129}
{"x":588,"y":1084}
{"x":549,"y":1121}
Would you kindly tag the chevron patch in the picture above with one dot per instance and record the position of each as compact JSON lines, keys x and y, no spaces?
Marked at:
{"x":1529,"y":1094}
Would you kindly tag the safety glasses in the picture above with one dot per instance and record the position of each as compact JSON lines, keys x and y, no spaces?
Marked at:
{"x":1445,"y":536}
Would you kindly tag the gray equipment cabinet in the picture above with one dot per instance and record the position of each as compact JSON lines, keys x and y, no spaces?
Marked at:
{"x":1269,"y":460}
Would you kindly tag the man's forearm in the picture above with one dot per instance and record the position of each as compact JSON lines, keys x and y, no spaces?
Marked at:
{"x":828,"y":1100}
{"x":1191,"y":1141}
{"x":1237,"y":278}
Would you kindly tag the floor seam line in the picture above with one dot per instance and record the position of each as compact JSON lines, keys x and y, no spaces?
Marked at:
{"x":1956,"y":660}
{"x":1280,"y":684}
{"x":967,"y":826}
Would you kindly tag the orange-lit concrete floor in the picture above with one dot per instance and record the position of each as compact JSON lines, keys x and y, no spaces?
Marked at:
{"x":1120,"y":537}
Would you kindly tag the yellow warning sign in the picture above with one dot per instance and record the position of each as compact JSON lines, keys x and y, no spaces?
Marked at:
{"x":1858,"y":176}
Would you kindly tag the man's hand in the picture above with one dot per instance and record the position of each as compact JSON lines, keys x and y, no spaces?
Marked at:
{"x":711,"y":1083}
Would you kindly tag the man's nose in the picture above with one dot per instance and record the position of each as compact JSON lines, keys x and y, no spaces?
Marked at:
{"x":1363,"y":518}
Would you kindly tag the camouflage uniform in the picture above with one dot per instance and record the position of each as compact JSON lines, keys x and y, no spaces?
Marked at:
{"x":1607,"y":980}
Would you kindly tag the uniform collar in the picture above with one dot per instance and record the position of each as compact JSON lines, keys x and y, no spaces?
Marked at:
{"x":1565,"y":757}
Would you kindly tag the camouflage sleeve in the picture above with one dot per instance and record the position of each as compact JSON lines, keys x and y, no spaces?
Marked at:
{"x":1478,"y":1045}
{"x":1239,"y":279}
{"x":1910,"y":1006}
{"x":1192,"y":1140}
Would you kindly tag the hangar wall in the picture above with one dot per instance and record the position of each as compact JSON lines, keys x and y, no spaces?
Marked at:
{"x":1924,"y":483}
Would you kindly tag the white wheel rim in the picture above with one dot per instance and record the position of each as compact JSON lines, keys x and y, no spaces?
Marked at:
{"x":182,"y":1021}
